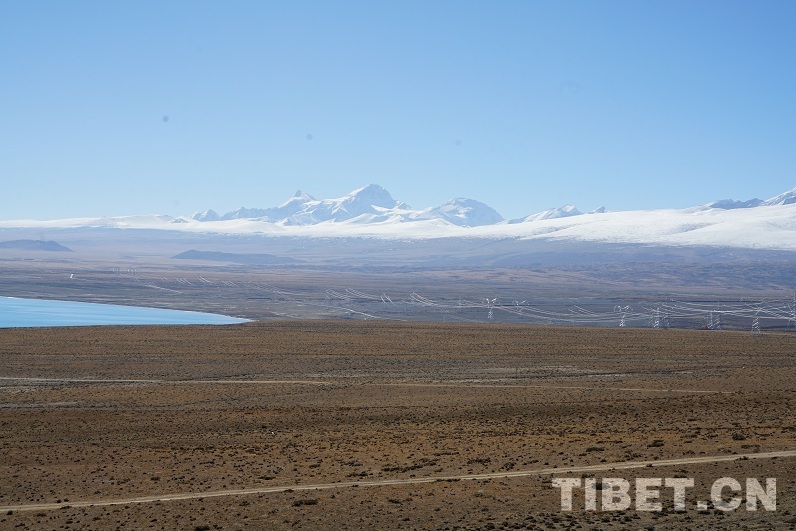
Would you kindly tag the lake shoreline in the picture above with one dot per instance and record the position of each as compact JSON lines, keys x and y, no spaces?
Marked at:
{"x":18,"y":312}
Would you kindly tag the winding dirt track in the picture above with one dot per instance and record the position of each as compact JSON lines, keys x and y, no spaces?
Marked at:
{"x":162,"y":382}
{"x":624,"y":465}
{"x":323,"y":382}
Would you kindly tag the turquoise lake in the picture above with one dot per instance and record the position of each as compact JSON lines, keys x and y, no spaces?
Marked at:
{"x":16,"y":313}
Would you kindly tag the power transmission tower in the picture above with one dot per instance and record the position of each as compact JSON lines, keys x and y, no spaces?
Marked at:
{"x":792,"y":319}
{"x":623,"y":310}
{"x":490,"y":304}
{"x":656,"y":318}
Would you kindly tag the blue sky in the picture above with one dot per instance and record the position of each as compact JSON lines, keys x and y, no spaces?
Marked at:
{"x":115,"y":108}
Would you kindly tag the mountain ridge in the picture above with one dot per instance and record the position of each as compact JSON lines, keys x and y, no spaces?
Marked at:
{"x":374,"y":204}
{"x":371,"y":212}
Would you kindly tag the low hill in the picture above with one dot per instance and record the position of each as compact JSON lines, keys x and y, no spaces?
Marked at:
{"x":237,"y":258}
{"x":34,"y":245}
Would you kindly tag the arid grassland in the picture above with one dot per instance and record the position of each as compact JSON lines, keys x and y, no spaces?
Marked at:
{"x":389,"y":420}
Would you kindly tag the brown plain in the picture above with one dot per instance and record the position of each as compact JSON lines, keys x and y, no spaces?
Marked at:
{"x":109,"y":414}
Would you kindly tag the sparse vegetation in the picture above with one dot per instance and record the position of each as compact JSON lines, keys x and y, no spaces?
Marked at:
{"x":379,"y":401}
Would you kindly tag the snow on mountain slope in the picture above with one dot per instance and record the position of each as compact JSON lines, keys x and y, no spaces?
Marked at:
{"x":553,"y":213}
{"x":206,"y":215}
{"x":303,"y":209}
{"x":370,"y":204}
{"x":289,"y":208}
{"x":787,"y":198}
{"x":369,"y":200}
{"x":770,"y":228}
{"x":462,"y":212}
{"x":372,"y":212}
{"x":729,"y":204}
{"x":374,"y":204}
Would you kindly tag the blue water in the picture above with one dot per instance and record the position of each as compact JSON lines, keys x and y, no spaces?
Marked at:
{"x":35,"y":312}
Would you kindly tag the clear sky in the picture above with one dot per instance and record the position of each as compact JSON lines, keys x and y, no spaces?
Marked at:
{"x":141,"y":107}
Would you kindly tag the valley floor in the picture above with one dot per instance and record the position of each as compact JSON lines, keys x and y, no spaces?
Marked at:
{"x":403,"y":425}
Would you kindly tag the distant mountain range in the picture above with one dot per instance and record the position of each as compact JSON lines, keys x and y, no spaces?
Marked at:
{"x":786,"y":198}
{"x":370,"y":204}
{"x":371,"y":212}
{"x":374,"y":204}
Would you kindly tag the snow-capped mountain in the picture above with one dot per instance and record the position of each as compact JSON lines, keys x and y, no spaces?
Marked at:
{"x":462,"y":212}
{"x":291,"y":207}
{"x":730,"y":204}
{"x":206,"y":215}
{"x":553,"y":213}
{"x":370,"y":204}
{"x":367,"y":204}
{"x":371,"y":212}
{"x":786,"y":198}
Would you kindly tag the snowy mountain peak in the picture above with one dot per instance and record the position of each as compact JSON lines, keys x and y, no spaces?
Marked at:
{"x":787,"y":198}
{"x":301,"y":195}
{"x":369,"y":204}
{"x":374,"y":204}
{"x":730,"y":204}
{"x":298,"y":198}
{"x":553,"y":213}
{"x":206,"y":215}
{"x":372,"y":211}
{"x":246,"y":213}
{"x":370,"y":189}
{"x":466,"y":213}
{"x":370,"y":195}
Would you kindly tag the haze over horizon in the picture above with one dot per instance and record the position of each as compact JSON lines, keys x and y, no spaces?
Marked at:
{"x":150,"y":108}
